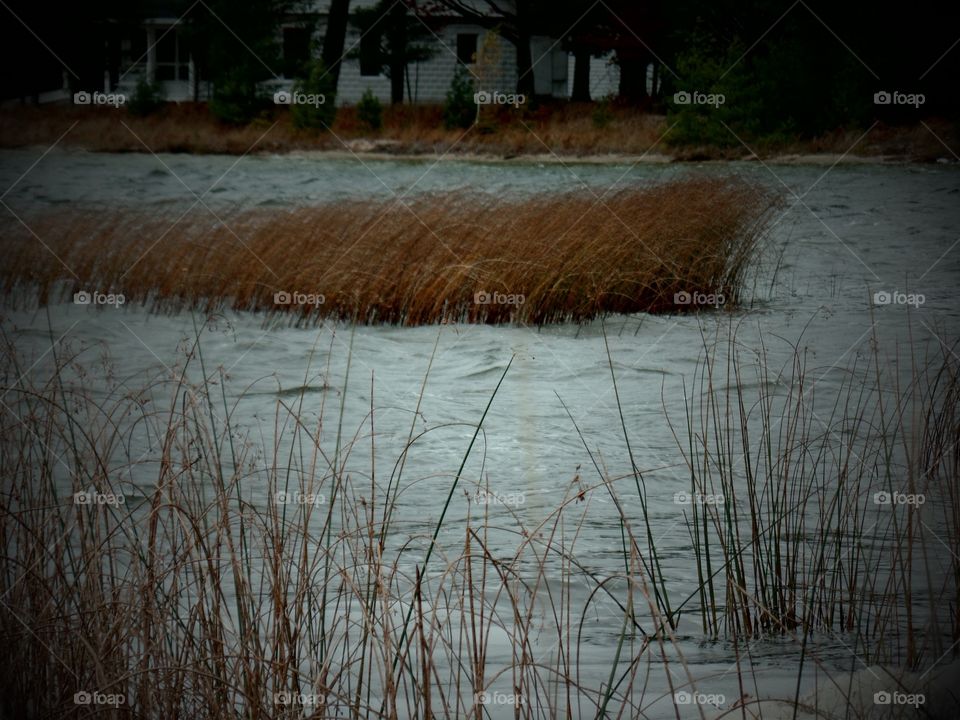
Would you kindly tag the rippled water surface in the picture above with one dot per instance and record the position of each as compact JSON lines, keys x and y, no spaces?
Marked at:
{"x":844,"y":233}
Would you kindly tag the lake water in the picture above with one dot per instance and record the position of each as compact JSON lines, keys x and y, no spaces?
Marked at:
{"x":845,"y":233}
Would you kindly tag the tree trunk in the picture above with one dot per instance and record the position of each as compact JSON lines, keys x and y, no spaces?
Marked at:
{"x":525,"y":80}
{"x":335,"y":38}
{"x":397,"y":45}
{"x":581,"y":76}
{"x":396,"y":82}
{"x":633,"y":78}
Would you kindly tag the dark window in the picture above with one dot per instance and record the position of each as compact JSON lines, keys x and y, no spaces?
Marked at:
{"x":296,"y":50}
{"x":133,"y":50}
{"x":467,"y":48}
{"x":173,"y":56}
{"x":370,"y":64}
{"x":167,"y":46}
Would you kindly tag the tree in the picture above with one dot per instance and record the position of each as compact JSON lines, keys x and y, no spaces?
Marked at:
{"x":319,"y":110}
{"x":631,"y":30}
{"x":236,"y":47}
{"x":782,"y":75}
{"x":581,"y":75}
{"x":73,"y":43}
{"x":393,"y":39}
{"x":577,"y":29}
{"x":335,"y":39}
{"x":460,"y":109}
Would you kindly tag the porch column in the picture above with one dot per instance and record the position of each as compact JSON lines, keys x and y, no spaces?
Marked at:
{"x":151,"y":54}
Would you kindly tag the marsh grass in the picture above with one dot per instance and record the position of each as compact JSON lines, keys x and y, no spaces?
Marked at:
{"x":202,"y":596}
{"x":806,"y":539}
{"x":567,"y":130}
{"x":423,"y":260}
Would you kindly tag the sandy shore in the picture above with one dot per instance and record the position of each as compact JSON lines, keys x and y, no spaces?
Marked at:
{"x":652,"y":158}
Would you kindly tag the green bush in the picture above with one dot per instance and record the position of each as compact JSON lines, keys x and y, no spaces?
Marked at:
{"x":717,"y":77}
{"x":318,"y":85}
{"x":147,"y":98}
{"x":460,"y":108}
{"x":602,"y":114}
{"x":777,"y":92}
{"x":370,"y":111}
{"x":236,"y":97}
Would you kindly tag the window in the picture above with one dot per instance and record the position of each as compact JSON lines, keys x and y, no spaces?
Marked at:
{"x":467,"y":48}
{"x":370,"y":62}
{"x":173,"y":60}
{"x":133,"y":51}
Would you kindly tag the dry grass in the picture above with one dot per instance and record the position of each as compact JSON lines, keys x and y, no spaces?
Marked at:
{"x":801,"y":542}
{"x":570,"y":256}
{"x":203,"y":596}
{"x":408,"y":129}
{"x":569,"y":130}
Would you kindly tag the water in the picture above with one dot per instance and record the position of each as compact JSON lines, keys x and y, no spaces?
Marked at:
{"x":845,"y":234}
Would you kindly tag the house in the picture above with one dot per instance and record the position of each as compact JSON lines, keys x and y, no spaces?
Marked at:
{"x":158,"y":50}
{"x":153,"y":41}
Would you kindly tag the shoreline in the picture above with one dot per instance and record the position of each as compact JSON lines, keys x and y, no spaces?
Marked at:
{"x":564,"y":135}
{"x":819,"y":159}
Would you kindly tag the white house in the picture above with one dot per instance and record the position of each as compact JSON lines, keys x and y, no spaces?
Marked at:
{"x":158,"y":50}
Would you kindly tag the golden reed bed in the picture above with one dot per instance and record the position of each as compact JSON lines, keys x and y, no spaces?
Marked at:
{"x":429,"y":259}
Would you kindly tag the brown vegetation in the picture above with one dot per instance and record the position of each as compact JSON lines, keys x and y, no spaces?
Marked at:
{"x":407,"y":129}
{"x":564,"y":129}
{"x":418,"y":261}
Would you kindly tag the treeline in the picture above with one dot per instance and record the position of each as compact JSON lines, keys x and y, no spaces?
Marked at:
{"x":756,"y":67}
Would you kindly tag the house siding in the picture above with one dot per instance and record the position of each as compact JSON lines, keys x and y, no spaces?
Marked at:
{"x":430,"y":80}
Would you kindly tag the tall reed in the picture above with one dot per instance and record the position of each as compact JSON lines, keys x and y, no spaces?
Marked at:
{"x":271,"y":577}
{"x":820,"y":509}
{"x":426,"y":259}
